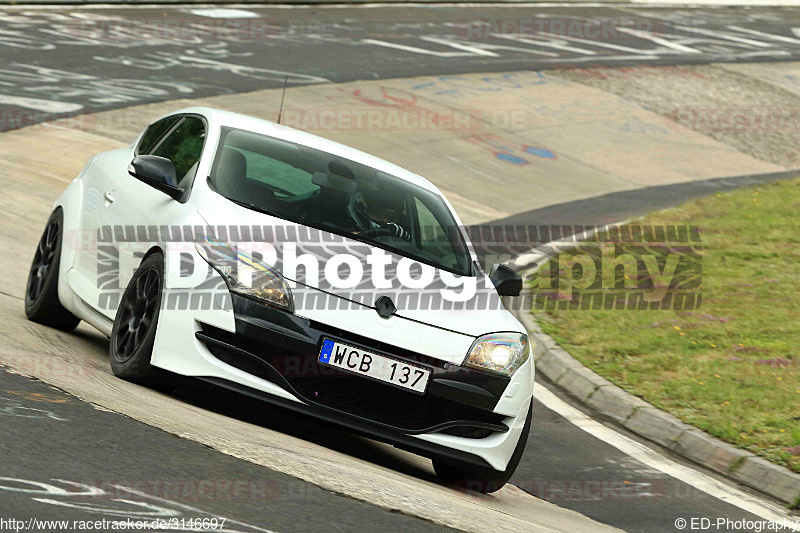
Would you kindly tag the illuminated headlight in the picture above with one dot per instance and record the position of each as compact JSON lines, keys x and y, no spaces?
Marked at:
{"x":246,"y":274}
{"x":503,"y":353}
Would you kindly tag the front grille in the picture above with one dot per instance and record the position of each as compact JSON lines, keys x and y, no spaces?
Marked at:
{"x":386,"y":404}
{"x":356,"y":395}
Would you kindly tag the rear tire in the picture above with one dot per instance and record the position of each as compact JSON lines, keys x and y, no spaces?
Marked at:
{"x":41,"y":291}
{"x":483,"y":479}
{"x":134,"y":331}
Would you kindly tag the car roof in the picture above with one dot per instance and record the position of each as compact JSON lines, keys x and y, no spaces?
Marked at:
{"x":218,"y":118}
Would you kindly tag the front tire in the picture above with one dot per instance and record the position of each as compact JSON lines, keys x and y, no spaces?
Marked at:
{"x":483,"y":479}
{"x":134,"y":331}
{"x":41,"y":291}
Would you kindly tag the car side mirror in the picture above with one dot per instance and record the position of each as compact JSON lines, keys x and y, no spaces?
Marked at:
{"x":158,"y":172}
{"x":506,"y":281}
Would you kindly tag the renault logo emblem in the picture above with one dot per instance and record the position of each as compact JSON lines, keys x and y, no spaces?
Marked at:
{"x":385,"y":307}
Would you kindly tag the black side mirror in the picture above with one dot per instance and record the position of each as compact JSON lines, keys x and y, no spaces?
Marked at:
{"x":158,"y":172}
{"x":506,"y":281}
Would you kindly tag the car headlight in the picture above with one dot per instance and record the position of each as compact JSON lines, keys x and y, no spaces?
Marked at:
{"x":246,"y":274}
{"x":503,"y":353}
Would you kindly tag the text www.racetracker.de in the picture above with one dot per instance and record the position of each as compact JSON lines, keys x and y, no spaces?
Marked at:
{"x":35,"y":524}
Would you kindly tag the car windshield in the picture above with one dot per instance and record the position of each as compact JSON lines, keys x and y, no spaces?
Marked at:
{"x":324,"y":191}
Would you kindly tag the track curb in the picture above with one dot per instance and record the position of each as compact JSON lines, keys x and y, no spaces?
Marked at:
{"x":634,"y":414}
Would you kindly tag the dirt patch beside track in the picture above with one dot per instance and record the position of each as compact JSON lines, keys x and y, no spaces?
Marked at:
{"x":752,"y":108}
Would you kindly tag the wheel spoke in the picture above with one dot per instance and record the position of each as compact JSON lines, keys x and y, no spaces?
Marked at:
{"x":52,"y":234}
{"x":141,"y":333}
{"x":151,"y":294}
{"x":39,"y":285}
{"x":145,"y":283}
{"x":121,"y":340}
{"x":126,"y":312}
{"x":150,"y":283}
{"x":32,"y":286}
{"x":138,"y":289}
{"x":129,"y":345}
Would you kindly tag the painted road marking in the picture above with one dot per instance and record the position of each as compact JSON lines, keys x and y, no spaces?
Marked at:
{"x":141,"y":511}
{"x":765,"y":35}
{"x":188,"y":507}
{"x":225,"y":13}
{"x":71,"y":91}
{"x":416,"y":50}
{"x":39,"y":104}
{"x":13,"y":407}
{"x":470,"y":167}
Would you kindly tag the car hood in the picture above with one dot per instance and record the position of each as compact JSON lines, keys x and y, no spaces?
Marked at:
{"x":327,"y":270}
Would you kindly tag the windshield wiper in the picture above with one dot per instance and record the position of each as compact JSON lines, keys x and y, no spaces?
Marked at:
{"x":255,"y":207}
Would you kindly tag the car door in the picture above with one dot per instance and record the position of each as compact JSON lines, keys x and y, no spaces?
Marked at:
{"x":135,"y":210}
{"x":95,"y":255}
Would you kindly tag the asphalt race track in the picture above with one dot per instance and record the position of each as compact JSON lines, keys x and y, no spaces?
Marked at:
{"x":107,"y":450}
{"x":45,"y":440}
{"x":104,"y":58}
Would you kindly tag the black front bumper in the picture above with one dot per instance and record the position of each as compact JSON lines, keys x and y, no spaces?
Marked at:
{"x":283,"y":348}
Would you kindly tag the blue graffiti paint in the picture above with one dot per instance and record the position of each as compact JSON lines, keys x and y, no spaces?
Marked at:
{"x":423,"y":85}
{"x":511,"y":158}
{"x":540,"y":152}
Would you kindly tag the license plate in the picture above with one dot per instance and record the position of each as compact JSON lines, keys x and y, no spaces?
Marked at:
{"x":375,"y":366}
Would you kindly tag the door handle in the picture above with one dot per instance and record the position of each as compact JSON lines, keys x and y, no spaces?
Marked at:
{"x":109,"y":198}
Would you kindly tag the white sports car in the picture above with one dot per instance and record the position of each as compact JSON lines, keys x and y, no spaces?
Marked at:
{"x":299,"y":271}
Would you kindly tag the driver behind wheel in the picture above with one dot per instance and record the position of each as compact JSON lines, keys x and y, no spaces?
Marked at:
{"x":373,"y":210}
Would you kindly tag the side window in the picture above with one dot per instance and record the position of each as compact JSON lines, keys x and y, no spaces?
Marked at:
{"x":154,"y":133}
{"x":183,"y":146}
{"x":433,"y":239}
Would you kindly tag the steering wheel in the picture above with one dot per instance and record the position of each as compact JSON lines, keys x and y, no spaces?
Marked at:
{"x":389,"y":230}
{"x":381,"y":231}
